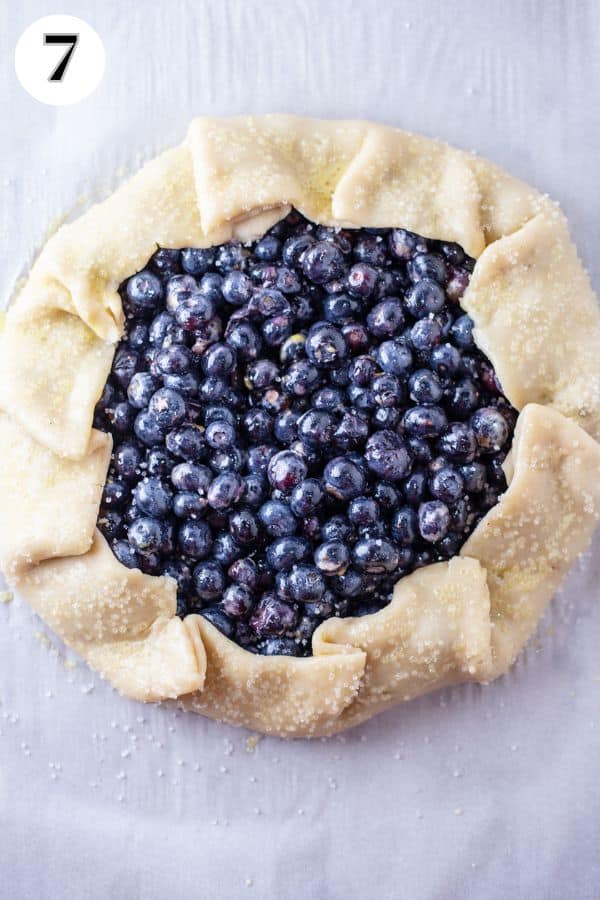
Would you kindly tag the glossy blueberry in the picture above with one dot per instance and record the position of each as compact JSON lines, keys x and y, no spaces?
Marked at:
{"x":220,"y":435}
{"x":209,"y":580}
{"x":424,"y":298}
{"x":387,"y":390}
{"x":363,"y":511}
{"x":395,"y":358}
{"x":322,"y":261}
{"x":219,"y":618}
{"x":127,"y":459}
{"x":306,"y":583}
{"x":433,"y":520}
{"x":325,"y":345}
{"x":225,"y":490}
{"x":425,"y":334}
{"x":285,"y":470}
{"x":114,"y":495}
{"x":126,"y":554}
{"x":349,"y":584}
{"x":283,"y":552}
{"x":462,"y":332}
{"x":386,"y":319}
{"x":425,"y":421}
{"x":236,"y":288}
{"x":445,"y":360}
{"x":415,"y":486}
{"x":361,"y":280}
{"x":268,"y":248}
{"x":153,"y":497}
{"x":375,"y":555}
{"x":352,"y":430}
{"x":295,"y":247}
{"x":370,"y":249}
{"x":356,"y":336}
{"x":427,"y":265}
{"x":404,"y":527}
{"x":237,"y":601}
{"x":121,"y":417}
{"x":361,"y":370}
{"x":464,"y":398}
{"x":458,"y":442}
{"x":277,"y":518}
{"x":387,"y":457}
{"x":125,"y":365}
{"x":258,"y":458}
{"x":425,"y":387}
{"x":331,"y":558}
{"x":188,"y":505}
{"x":280,"y":646}
{"x":190,"y":477}
{"x":230,"y":256}
{"x":194,"y":539}
{"x":272,"y":616}
{"x":145,"y":534}
{"x":404,"y":244}
{"x":244,"y":339}
{"x":447,"y":484}
{"x":258,"y":425}
{"x":490,"y":429}
{"x":138,"y":336}
{"x":196,"y":261}
{"x":343,"y":478}
{"x":316,"y":428}
{"x":244,"y":572}
{"x":186,"y":442}
{"x":167,"y":407}
{"x":144,"y":293}
{"x":387,"y":496}
{"x":179,"y":287}
{"x":306,"y":497}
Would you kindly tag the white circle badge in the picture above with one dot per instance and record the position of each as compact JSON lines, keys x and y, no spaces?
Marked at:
{"x":59,"y":60}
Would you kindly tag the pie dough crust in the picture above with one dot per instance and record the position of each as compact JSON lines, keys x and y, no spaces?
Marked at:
{"x":535,"y":316}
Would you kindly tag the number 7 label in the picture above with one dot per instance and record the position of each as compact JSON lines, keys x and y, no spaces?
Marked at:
{"x":61,"y":68}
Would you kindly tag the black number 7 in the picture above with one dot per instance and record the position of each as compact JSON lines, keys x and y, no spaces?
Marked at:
{"x":61,"y":68}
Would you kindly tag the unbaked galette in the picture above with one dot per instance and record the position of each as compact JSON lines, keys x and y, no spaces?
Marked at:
{"x":300,"y":423}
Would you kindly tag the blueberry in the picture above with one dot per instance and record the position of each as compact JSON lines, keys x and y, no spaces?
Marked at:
{"x":387,"y":496}
{"x":236,"y":288}
{"x":148,"y":429}
{"x":121,"y":417}
{"x":153,"y":497}
{"x":362,"y":370}
{"x":395,"y":358}
{"x":179,"y":287}
{"x":244,"y":572}
{"x":336,"y":528}
{"x":425,"y":387}
{"x":356,"y":336}
{"x":186,"y":442}
{"x":138,"y":335}
{"x":427,"y":265}
{"x":212,"y":389}
{"x":283,"y":552}
{"x":459,"y":442}
{"x":370,"y":249}
{"x":272,"y":616}
{"x":110,"y":522}
{"x":124,"y":366}
{"x":315,"y":428}
{"x":144,"y":293}
{"x":474,"y":476}
{"x":462,"y":332}
{"x":280,"y":646}
{"x":210,"y":287}
{"x":331,"y":558}
{"x":339,"y":309}
{"x":404,"y":244}
{"x":259,"y":457}
{"x":196,"y":261}
{"x":261,"y":374}
{"x":445,"y":360}
{"x":220,"y":435}
{"x":237,"y":601}
{"x":225,"y":490}
{"x":306,"y":497}
{"x":434,"y":520}
{"x":414,"y":487}
{"x":405,"y":526}
{"x":277,"y":518}
{"x":387,"y":457}
{"x":325,"y":345}
{"x":386,"y":319}
{"x":190,"y":477}
{"x":343,"y":478}
{"x":425,"y":334}
{"x":188,"y":505}
{"x":458,"y":282}
{"x":464,"y":398}
{"x":194,"y":312}
{"x":114,"y":495}
{"x":167,"y":407}
{"x":424,"y":298}
{"x":194,"y":539}
{"x":363,"y":511}
{"x":209,"y":580}
{"x":490,"y":428}
{"x":254,"y":490}
{"x":447,"y":484}
{"x":217,"y":617}
{"x":361,"y":280}
{"x":284,"y":427}
{"x":387,"y":390}
{"x":352,"y":430}
{"x":127,"y":459}
{"x":159,"y":328}
{"x":258,"y":425}
{"x":306,"y":583}
{"x":425,"y":421}
{"x":244,"y":339}
{"x":348,"y":584}
{"x":295,"y":247}
{"x":126,"y":554}
{"x":230,"y":256}
{"x":268,"y":248}
{"x":145,"y":534}
{"x":285,"y":470}
{"x":375,"y":555}
{"x":219,"y":360}
{"x":322,"y":261}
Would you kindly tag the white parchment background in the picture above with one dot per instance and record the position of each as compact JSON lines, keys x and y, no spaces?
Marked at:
{"x":473,"y":793}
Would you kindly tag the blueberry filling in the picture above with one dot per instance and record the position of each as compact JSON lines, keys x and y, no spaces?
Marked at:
{"x":297,"y":424}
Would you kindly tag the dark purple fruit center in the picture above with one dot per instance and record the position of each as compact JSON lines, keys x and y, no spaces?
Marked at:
{"x":297,"y":424}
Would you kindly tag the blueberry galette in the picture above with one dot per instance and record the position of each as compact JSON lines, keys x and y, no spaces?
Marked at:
{"x":300,"y":423}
